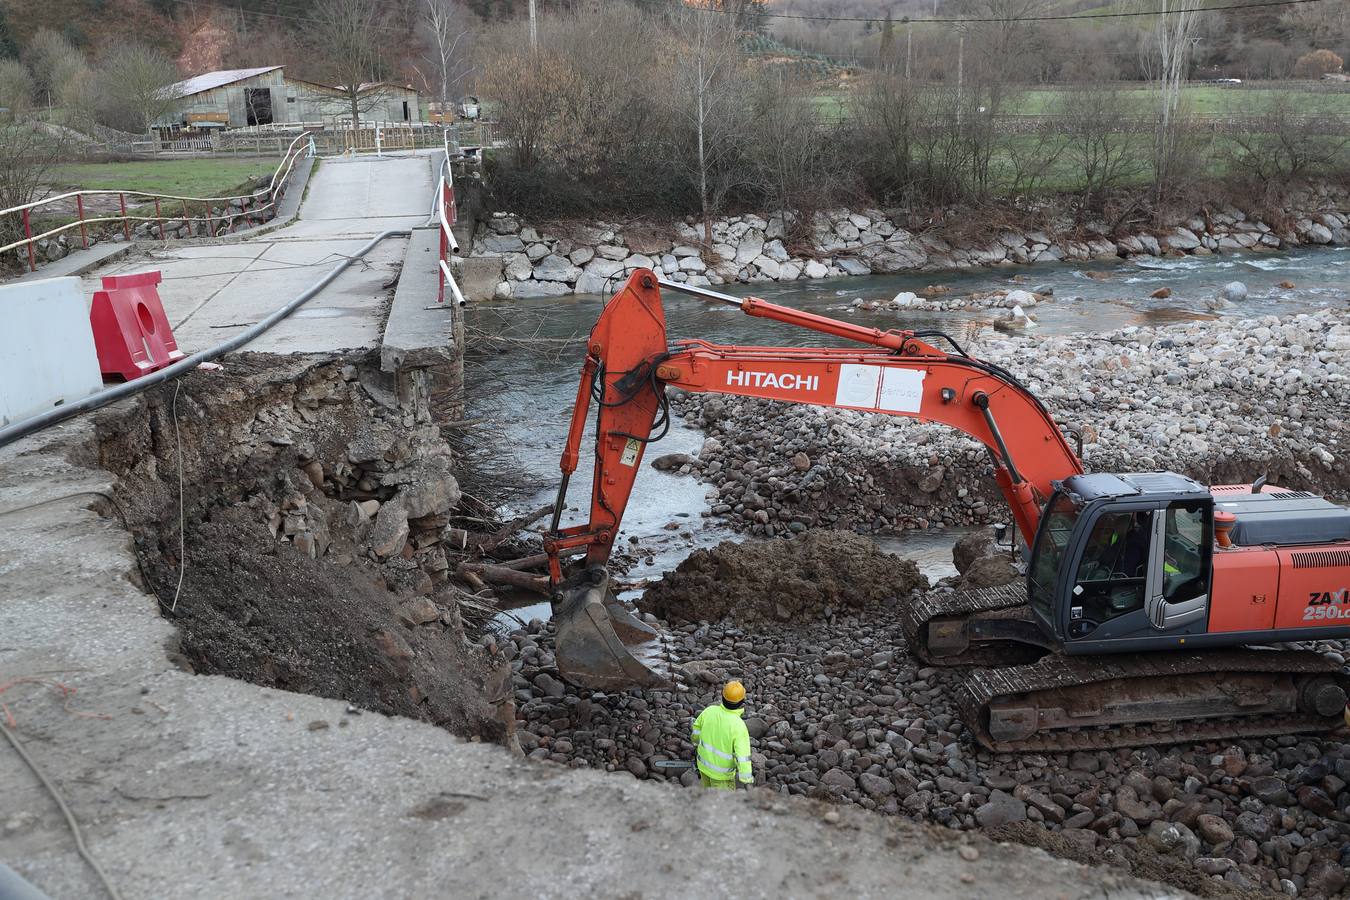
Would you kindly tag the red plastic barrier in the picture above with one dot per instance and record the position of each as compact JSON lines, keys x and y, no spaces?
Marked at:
{"x":131,"y":332}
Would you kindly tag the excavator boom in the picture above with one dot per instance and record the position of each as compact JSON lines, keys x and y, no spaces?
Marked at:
{"x":630,"y":362}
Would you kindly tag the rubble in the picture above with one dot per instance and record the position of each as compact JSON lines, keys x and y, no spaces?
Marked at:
{"x":838,"y":710}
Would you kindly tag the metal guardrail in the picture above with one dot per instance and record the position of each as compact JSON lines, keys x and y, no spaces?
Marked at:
{"x":274,"y":191}
{"x":447,"y":213}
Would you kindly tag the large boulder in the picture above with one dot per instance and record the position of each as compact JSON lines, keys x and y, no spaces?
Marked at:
{"x":432,"y":491}
{"x":596,"y":277}
{"x":970,"y":547}
{"x":1173,"y":839}
{"x":556,"y":268}
{"x":751,"y":245}
{"x":501,"y":243}
{"x":989,"y":571}
{"x":1183,"y":239}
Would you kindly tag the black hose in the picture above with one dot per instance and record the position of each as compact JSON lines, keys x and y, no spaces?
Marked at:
{"x":18,"y":430}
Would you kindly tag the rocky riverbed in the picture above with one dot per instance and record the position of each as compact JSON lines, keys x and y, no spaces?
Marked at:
{"x":1223,"y":401}
{"x":553,"y":259}
{"x":840,"y":711}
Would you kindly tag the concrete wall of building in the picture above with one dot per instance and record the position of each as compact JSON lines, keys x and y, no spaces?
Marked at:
{"x":317,"y":103}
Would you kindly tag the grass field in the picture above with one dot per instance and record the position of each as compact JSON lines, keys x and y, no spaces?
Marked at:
{"x":207,"y":177}
{"x":1205,"y":100}
{"x":1200,"y":99}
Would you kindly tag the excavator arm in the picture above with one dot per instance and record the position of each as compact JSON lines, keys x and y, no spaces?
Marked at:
{"x":628,"y":365}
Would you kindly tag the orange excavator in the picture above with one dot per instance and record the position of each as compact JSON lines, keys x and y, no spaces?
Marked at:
{"x":1150,"y":600}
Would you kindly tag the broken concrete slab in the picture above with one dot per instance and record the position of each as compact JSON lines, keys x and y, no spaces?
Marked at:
{"x":420,"y":330}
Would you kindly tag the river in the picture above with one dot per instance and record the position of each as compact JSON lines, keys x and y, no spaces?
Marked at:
{"x":529,"y":388}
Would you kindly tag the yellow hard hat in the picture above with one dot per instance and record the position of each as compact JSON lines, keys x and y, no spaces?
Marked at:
{"x":734,"y":692}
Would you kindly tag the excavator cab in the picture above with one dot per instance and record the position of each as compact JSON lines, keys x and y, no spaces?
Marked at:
{"x":1123,"y":562}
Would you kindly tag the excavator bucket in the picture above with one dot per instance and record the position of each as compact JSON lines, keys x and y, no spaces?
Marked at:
{"x":600,"y":644}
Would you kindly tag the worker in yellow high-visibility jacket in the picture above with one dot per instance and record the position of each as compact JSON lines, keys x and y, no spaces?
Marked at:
{"x":723,"y":754}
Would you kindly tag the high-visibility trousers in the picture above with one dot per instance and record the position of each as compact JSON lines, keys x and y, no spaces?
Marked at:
{"x":717,"y":784}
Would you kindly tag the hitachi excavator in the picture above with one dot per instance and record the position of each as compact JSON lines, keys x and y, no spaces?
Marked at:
{"x":1149,"y":602}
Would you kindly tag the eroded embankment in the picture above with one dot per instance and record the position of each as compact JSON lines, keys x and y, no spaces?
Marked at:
{"x":1222,"y":401}
{"x":312,"y":555}
{"x":840,"y":711}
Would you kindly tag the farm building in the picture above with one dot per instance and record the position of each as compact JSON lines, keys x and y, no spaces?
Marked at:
{"x":380,"y":101}
{"x":235,"y":98}
{"x":231,"y":98}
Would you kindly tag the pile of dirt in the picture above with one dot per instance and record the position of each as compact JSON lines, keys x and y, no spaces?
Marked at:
{"x":257,"y":610}
{"x":786,"y":581}
{"x":296,"y":574}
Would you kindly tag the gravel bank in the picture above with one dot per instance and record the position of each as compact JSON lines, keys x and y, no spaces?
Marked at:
{"x":1222,"y":400}
{"x":839,"y":711}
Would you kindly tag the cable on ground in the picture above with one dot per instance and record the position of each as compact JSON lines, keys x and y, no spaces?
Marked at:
{"x":65,"y":811}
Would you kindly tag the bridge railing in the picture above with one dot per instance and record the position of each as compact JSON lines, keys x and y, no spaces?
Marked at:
{"x":446,"y":215}
{"x":249,"y":206}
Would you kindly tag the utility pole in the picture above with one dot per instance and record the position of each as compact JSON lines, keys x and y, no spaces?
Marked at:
{"x":960,"y":70}
{"x":909,"y":47}
{"x":534,"y":28}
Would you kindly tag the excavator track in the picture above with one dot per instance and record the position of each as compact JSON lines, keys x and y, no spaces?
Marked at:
{"x":1064,"y":703}
{"x":933,"y":625}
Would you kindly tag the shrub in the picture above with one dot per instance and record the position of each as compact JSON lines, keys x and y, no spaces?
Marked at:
{"x":1317,"y":63}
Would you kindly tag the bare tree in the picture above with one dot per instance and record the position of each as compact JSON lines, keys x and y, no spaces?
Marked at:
{"x":884,"y":117}
{"x":447,"y":25}
{"x":345,"y":45}
{"x":788,"y":149}
{"x":136,"y":82}
{"x":51,"y":59}
{"x":28,"y":149}
{"x":707,"y":96}
{"x":1170,"y":46}
{"x":1099,"y":145}
{"x":526,"y":87}
{"x":1324,"y":23}
{"x":1001,"y":50}
{"x":1280,"y":144}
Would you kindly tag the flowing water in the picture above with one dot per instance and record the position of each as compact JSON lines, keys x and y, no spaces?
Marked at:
{"x":530,"y":388}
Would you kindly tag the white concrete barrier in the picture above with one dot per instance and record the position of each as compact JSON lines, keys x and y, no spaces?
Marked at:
{"x":47,"y":354}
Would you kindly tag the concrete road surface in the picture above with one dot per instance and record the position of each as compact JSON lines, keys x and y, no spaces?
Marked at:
{"x":211,"y":292}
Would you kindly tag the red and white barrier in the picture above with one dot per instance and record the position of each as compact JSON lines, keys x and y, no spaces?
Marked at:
{"x":131,"y":331}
